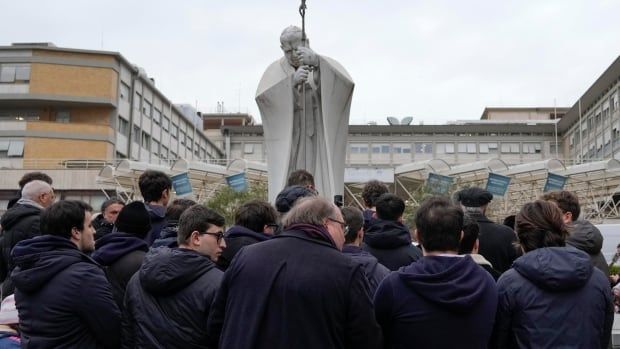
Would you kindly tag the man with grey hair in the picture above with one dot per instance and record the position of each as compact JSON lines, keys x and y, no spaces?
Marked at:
{"x":296,"y":290}
{"x":21,"y":222}
{"x":304,"y":100}
{"x":496,"y":241}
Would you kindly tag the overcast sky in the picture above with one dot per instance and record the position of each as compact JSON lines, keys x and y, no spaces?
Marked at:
{"x":434,"y":60}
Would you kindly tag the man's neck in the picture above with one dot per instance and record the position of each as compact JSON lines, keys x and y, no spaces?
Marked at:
{"x":440,"y":253}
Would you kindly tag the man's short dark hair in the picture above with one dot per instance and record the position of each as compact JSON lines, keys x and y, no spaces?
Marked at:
{"x":31,"y":176}
{"x":152,"y":184}
{"x":199,"y":218}
{"x":566,"y":201}
{"x":61,"y":217}
{"x":389,"y":207}
{"x":354,"y":219}
{"x":371,"y":192}
{"x":300,"y":177}
{"x":176,"y":209}
{"x":471,"y":230}
{"x":439,"y":224}
{"x":110,"y":202}
{"x":255,"y":214}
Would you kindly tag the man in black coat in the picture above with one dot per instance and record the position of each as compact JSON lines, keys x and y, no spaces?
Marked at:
{"x":255,"y":221}
{"x":121,"y":252}
{"x":387,"y":238}
{"x":104,"y":222}
{"x":22,"y":222}
{"x":296,"y":290}
{"x":496,"y":240}
{"x":62,"y":295}
{"x":354,"y":235}
{"x":168,"y":300}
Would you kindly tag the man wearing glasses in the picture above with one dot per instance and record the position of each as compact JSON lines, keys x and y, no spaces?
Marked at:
{"x":176,"y":286}
{"x":296,"y":290}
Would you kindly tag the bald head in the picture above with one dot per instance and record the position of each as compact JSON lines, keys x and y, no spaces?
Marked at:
{"x":38,"y":191}
{"x":320,"y":212}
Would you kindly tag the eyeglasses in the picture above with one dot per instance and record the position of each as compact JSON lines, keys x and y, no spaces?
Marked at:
{"x":344,"y":226}
{"x":218,"y":236}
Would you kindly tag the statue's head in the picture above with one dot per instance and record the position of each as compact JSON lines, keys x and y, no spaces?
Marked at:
{"x":290,"y":40}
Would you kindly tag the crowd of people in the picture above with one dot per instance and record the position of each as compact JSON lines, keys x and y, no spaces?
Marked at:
{"x":302,"y":273}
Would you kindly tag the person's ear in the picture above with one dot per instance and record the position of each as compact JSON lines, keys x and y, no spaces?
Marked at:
{"x":76,"y":234}
{"x":194,"y":238}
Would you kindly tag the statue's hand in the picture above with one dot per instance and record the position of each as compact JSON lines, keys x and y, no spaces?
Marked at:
{"x":307,"y":57}
{"x":301,"y":75}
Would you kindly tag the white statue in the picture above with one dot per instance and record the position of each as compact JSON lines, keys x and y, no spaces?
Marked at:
{"x":304,"y":101}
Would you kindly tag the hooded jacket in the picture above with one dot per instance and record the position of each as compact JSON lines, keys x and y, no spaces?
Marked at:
{"x":236,"y":238}
{"x":168,"y":235}
{"x":553,"y":298}
{"x":121,"y":254}
{"x":586,"y":237}
{"x":390,"y":243}
{"x":375,"y":272}
{"x":63,"y":297}
{"x":158,"y":222}
{"x":168,"y":300}
{"x":418,"y":305}
{"x":496,"y":243}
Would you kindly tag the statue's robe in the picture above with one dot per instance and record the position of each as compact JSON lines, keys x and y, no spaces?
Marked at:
{"x":311,"y":135}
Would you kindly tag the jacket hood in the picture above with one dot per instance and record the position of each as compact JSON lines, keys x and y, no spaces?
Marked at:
{"x":17,"y":213}
{"x":165,"y":271}
{"x":386,"y":234}
{"x":368,"y":261}
{"x":555,"y":268}
{"x":115,"y":245}
{"x":39,"y":259}
{"x":168,"y":235}
{"x":239,"y":231}
{"x":156,"y":213}
{"x":452,"y":283}
{"x":586,"y":237}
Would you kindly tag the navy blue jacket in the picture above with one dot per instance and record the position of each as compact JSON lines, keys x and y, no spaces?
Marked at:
{"x":236,"y":238}
{"x":121,"y":254}
{"x":169,"y":299}
{"x":293,"y":291}
{"x":437,"y":302}
{"x":390,"y":243}
{"x":553,"y":298}
{"x":158,"y":222}
{"x":375,"y":272}
{"x":62,"y":296}
{"x":168,"y":235}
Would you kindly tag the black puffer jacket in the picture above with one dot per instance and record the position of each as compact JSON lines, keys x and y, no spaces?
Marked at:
{"x":390,"y":243}
{"x":168,"y":300}
{"x":586,"y":237}
{"x":19,"y":223}
{"x":63,"y":297}
{"x":375,"y":272}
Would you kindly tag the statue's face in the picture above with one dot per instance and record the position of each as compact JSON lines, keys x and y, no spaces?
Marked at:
{"x":290,"y":51}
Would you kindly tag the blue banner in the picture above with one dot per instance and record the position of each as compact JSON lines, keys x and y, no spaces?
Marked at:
{"x":181,"y":184}
{"x":439,"y":184}
{"x":497,"y":184}
{"x":237,"y":182}
{"x":554,"y":182}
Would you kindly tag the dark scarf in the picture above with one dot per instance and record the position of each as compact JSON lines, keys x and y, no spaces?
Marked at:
{"x":313,"y":231}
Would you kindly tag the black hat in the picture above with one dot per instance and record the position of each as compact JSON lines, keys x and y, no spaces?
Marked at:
{"x":134,"y":219}
{"x":474,"y":197}
{"x":287,"y":197}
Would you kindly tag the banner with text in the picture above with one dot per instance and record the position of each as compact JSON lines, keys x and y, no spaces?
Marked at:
{"x":439,"y":184}
{"x":497,"y":184}
{"x":181,"y":184}
{"x":237,"y":182}
{"x":554,"y":182}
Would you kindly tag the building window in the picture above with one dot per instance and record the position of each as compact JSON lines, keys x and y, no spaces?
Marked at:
{"x":146,"y":108}
{"x":123,"y":126}
{"x":155,"y":147}
{"x":136,"y":134}
{"x":381,"y":148}
{"x":182,"y":137}
{"x":164,"y":152}
{"x":488,"y":148}
{"x":424,"y":148}
{"x":156,"y":116}
{"x":175,"y":131}
{"x":63,"y":116}
{"x":136,"y":101}
{"x":445,"y":148}
{"x":10,"y":73}
{"x":510,"y":148}
{"x":165,"y":123}
{"x":531,"y":148}
{"x":15,"y":149}
{"x":469,"y":148}
{"x":124,"y":91}
{"x":19,"y":116}
{"x":398,"y":148}
{"x":248,"y":149}
{"x":146,"y":141}
{"x":359,"y":148}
